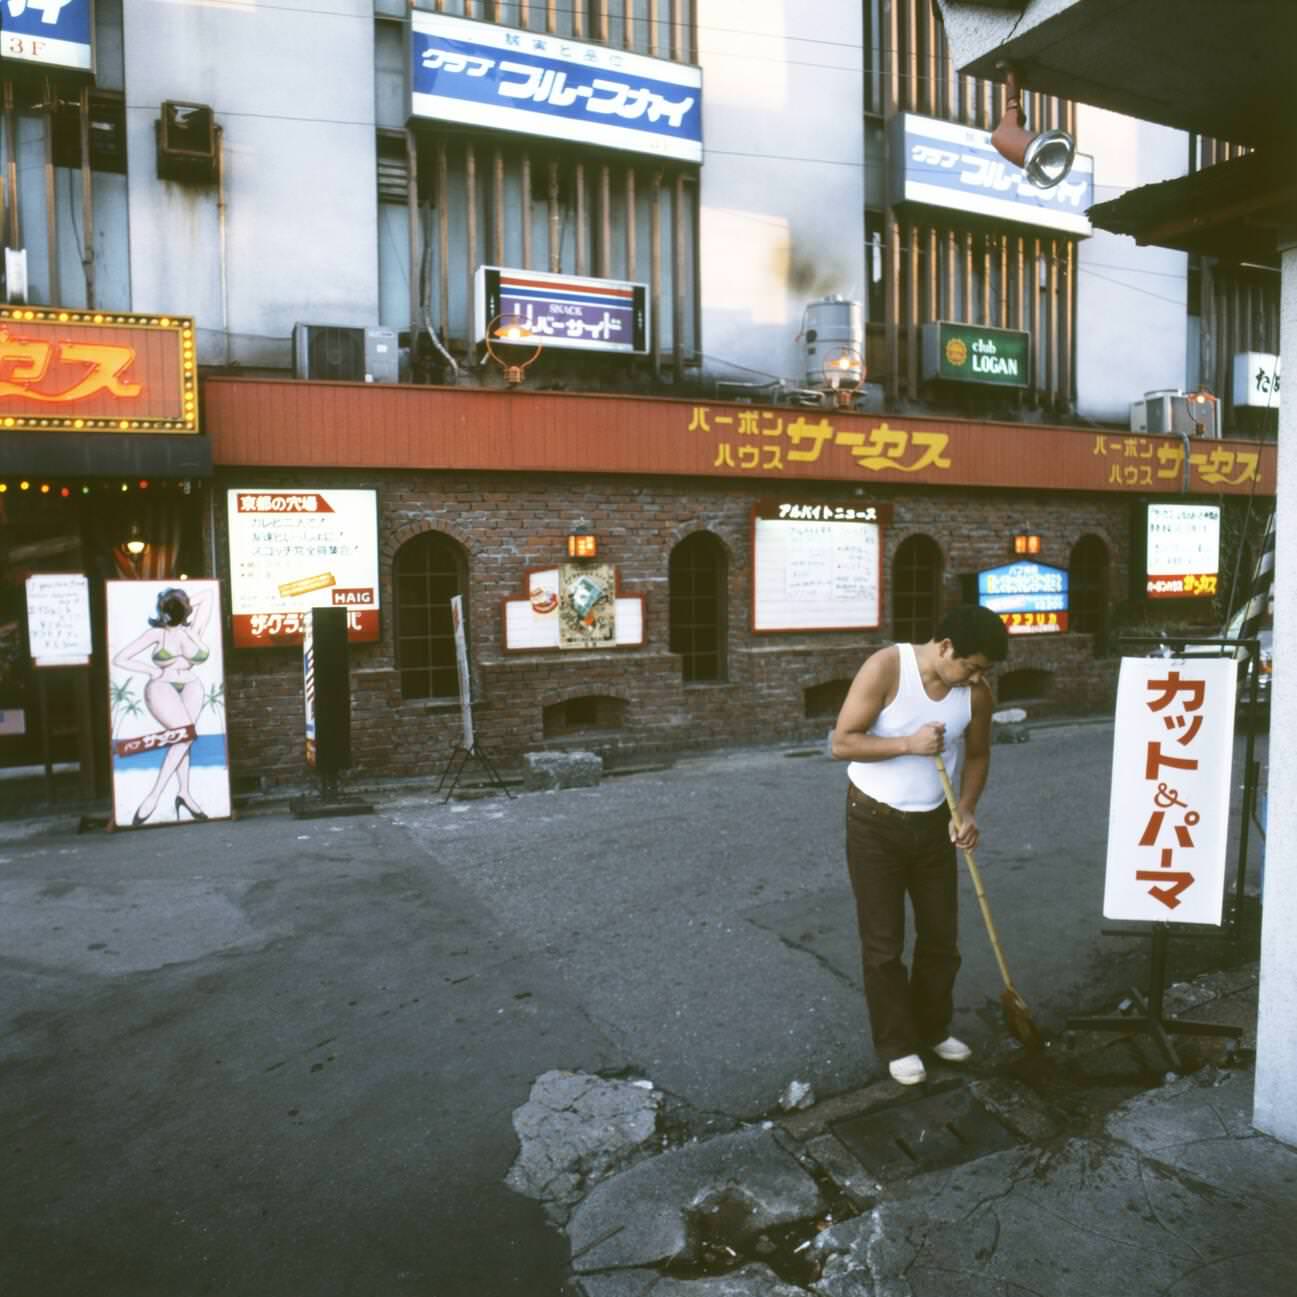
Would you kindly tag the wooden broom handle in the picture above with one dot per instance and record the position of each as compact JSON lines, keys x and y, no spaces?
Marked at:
{"x":974,"y":873}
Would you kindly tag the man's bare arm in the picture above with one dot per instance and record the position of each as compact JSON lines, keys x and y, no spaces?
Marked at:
{"x":868,"y":695}
{"x":977,"y":766}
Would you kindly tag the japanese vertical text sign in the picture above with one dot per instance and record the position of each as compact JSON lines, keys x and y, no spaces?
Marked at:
{"x":91,"y":371}
{"x":48,"y":33}
{"x":461,"y":663}
{"x":510,"y":80}
{"x":1169,"y":815}
{"x":291,"y":551}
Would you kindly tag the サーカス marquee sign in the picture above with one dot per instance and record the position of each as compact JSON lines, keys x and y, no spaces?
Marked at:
{"x":97,"y":371}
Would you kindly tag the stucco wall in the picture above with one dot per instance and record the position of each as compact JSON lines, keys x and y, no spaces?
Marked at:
{"x":293,"y":89}
{"x":1131,"y":301}
{"x":783,"y":179}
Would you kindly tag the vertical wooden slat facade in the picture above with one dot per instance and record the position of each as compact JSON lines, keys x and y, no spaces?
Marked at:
{"x":963,"y":269}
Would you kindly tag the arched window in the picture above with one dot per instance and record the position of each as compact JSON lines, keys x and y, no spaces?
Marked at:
{"x":698,"y":588}
{"x":427,"y":573}
{"x":916,"y":590}
{"x":1087,"y":589}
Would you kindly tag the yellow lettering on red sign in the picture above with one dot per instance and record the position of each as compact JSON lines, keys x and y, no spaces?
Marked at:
{"x":883,"y":447}
{"x":29,"y":361}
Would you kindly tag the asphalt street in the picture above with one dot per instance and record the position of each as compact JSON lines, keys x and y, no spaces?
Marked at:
{"x":271,"y":1057}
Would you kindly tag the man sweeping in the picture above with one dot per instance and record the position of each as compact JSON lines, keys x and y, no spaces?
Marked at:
{"x":909,"y":704}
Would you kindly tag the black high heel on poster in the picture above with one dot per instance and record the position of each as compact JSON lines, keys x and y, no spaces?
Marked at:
{"x":197,"y":815}
{"x":138,"y":818}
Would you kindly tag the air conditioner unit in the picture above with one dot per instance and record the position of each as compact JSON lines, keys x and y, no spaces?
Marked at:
{"x":346,"y":353}
{"x":1172,"y":413}
{"x":382,"y":356}
{"x":186,"y":135}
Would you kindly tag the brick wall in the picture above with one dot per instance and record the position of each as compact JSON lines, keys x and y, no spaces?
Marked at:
{"x":509,"y":523}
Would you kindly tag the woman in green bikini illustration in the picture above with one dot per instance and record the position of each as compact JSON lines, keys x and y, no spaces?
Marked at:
{"x":167,"y":653}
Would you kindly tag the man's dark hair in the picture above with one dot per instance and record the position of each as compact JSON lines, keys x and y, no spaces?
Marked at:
{"x":974,"y":629}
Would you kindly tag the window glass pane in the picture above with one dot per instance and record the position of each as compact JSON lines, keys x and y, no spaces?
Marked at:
{"x":428,"y":572}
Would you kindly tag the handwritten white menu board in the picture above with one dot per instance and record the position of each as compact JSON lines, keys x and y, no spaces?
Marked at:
{"x":816,"y":573}
{"x":58,"y":619}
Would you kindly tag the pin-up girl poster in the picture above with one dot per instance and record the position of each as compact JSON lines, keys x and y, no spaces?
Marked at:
{"x":167,"y":698}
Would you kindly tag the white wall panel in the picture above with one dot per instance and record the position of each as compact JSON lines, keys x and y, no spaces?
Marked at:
{"x":293,"y":88}
{"x":783,"y":178}
{"x":1131,"y":301}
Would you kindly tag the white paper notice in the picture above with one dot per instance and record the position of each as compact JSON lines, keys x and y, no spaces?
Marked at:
{"x":58,"y":619}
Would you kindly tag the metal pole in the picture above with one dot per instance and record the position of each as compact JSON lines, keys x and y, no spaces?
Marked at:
{"x":54,"y":288}
{"x":15,"y":231}
{"x":87,"y":202}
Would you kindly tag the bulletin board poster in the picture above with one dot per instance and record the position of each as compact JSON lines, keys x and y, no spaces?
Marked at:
{"x":816,"y":566}
{"x":166,"y":695}
{"x":537,"y":621}
{"x":58,"y":619}
{"x":587,"y":606}
{"x":291,"y":551}
{"x":1168,"y":818}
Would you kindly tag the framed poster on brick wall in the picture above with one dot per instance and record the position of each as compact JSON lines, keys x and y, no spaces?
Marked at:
{"x":817,"y":566}
{"x":294,"y":550}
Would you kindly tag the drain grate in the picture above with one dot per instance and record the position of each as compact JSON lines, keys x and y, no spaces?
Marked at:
{"x":937,"y":1131}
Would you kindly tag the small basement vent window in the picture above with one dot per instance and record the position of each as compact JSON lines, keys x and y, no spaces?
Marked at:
{"x":825,"y":699}
{"x":581,"y":715}
{"x":1026,"y":683}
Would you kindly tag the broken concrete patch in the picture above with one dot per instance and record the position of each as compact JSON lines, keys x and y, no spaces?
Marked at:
{"x":640,"y":1217}
{"x":1018,"y":1107}
{"x":831,"y":1156}
{"x":575,"y":1130}
{"x":751,"y":1281}
{"x":797,"y":1095}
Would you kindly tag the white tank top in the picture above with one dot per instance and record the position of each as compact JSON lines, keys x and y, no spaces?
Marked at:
{"x":911,"y":783}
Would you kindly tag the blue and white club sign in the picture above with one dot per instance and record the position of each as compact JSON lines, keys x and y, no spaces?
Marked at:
{"x":50,"y":33}
{"x":564,"y":310}
{"x":945,"y":164}
{"x":1030,"y":598}
{"x":510,"y":80}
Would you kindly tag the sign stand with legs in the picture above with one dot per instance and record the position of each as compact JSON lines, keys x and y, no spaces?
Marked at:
{"x":467,"y":746}
{"x":1150,"y":1018}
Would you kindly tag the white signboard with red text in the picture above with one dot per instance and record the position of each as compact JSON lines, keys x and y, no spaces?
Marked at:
{"x":291,"y":551}
{"x":1168,"y":819}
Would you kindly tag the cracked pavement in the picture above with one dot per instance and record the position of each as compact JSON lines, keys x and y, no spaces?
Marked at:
{"x":270,"y":1056}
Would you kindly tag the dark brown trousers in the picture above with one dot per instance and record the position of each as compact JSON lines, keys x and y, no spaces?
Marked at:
{"x":891,"y":854}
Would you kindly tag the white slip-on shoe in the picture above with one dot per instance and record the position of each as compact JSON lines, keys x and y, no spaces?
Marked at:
{"x":952,"y":1050}
{"x":908,"y":1070}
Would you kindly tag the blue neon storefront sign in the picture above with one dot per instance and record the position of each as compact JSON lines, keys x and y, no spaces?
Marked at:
{"x":48,"y":33}
{"x":504,"y":79}
{"x":1030,"y":598}
{"x":946,"y":164}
